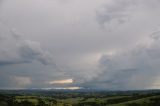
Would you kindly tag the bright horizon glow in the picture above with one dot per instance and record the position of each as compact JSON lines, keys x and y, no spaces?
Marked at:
{"x":69,"y":88}
{"x":64,"y":81}
{"x":56,"y":88}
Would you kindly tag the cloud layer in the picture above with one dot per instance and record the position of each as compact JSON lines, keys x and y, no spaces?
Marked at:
{"x":15,"y":50}
{"x":105,"y":44}
{"x":118,"y":11}
{"x":136,"y":68}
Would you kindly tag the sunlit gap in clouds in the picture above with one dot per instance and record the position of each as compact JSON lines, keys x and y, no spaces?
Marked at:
{"x":64,"y":81}
{"x":69,"y":88}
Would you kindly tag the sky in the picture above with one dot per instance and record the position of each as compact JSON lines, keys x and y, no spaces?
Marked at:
{"x":73,"y":44}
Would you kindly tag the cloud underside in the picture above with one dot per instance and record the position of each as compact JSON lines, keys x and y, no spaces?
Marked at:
{"x":16,"y":50}
{"x":116,"y":12}
{"x":136,"y":68}
{"x":86,"y":54}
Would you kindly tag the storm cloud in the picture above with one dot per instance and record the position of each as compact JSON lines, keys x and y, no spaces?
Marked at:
{"x":136,"y":68}
{"x":121,"y":11}
{"x":118,"y":11}
{"x":104,"y":44}
{"x":15,"y":50}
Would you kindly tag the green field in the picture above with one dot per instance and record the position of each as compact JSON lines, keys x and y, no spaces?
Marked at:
{"x":69,"y":98}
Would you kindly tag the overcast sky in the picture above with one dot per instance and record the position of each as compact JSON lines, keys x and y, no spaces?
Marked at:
{"x":104,"y":44}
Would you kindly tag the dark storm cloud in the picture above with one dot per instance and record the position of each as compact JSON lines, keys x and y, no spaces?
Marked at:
{"x":10,"y":62}
{"x":15,"y":50}
{"x":137,"y":68}
{"x":117,"y":11}
{"x":30,"y":51}
{"x":121,"y":11}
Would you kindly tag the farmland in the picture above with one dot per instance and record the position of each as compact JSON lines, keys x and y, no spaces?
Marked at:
{"x":79,"y":98}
